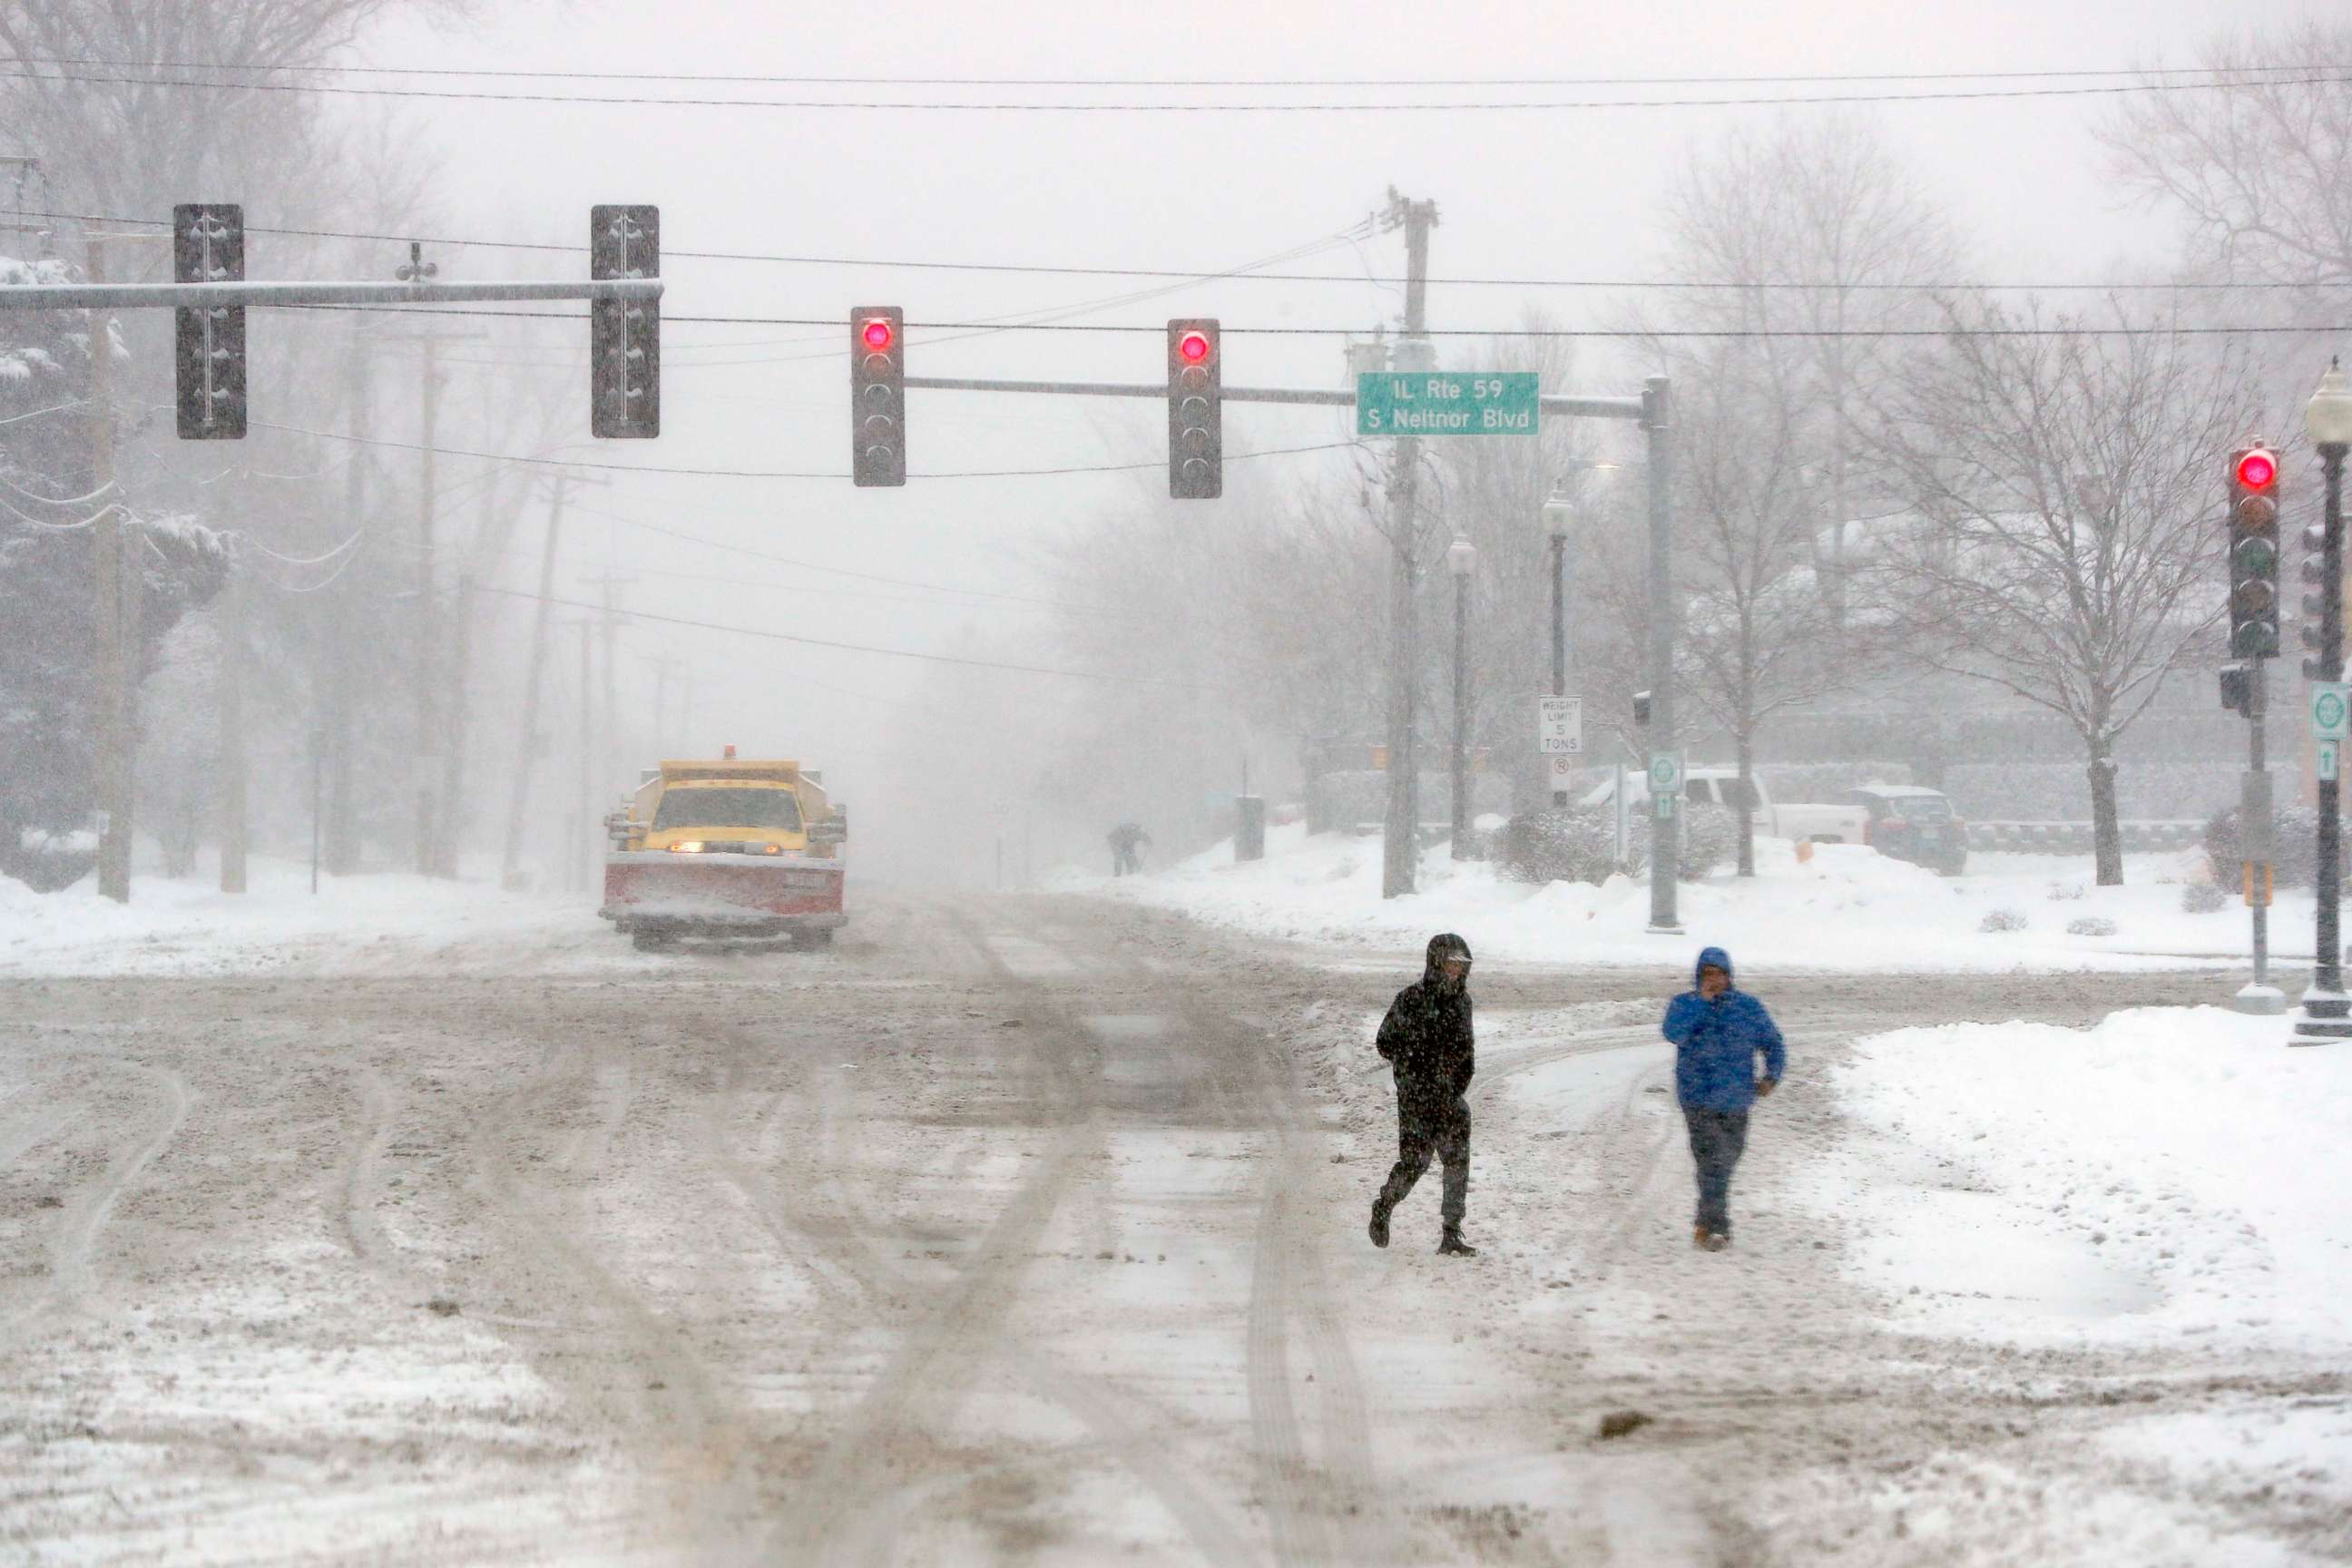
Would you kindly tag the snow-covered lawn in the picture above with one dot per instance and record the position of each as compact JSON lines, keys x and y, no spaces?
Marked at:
{"x":2163,"y":1188}
{"x":1849,"y":909}
{"x":2173,"y":1173}
{"x":389,"y":922}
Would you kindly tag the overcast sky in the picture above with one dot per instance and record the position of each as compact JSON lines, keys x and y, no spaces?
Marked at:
{"x":1555,"y":192}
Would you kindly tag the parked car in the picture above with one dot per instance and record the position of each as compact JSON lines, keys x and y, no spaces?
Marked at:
{"x":1839,"y":822}
{"x":1910,"y":822}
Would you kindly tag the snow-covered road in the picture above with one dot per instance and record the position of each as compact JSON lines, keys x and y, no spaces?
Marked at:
{"x":1013,"y":1230}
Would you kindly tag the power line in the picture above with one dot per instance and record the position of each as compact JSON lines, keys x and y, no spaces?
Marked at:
{"x":850,"y":648}
{"x":1242,"y":83}
{"x":1237,"y":275}
{"x":778,"y":473}
{"x":937,"y":106}
{"x":1158,"y":329}
{"x":768,"y":555}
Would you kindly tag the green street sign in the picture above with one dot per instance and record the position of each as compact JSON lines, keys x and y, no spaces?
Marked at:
{"x":1446,"y":403}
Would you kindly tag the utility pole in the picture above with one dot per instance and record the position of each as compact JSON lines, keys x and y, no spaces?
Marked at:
{"x":1400,"y":845}
{"x":1461,"y":560}
{"x":118,"y":610}
{"x":453,"y":755}
{"x":231,"y":624}
{"x":663,"y":664}
{"x":518,"y":798}
{"x":342,"y":809}
{"x":609,"y":625}
{"x":428,"y":728}
{"x":579,"y":858}
{"x":1665,"y":841}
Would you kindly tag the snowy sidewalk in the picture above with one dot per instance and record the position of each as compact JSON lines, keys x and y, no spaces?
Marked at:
{"x":1849,"y":909}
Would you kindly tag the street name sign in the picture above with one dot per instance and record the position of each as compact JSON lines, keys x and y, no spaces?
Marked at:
{"x":1559,"y":726}
{"x":1446,"y":403}
{"x":2331,"y":710}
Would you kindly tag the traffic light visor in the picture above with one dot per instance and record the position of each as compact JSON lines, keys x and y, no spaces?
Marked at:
{"x":2257,"y":469}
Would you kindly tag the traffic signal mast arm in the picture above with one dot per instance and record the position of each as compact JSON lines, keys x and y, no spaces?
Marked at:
{"x":185,"y":296}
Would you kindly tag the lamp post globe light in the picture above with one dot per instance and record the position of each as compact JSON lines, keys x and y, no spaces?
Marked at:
{"x":1461,"y":558}
{"x":2327,"y":1015}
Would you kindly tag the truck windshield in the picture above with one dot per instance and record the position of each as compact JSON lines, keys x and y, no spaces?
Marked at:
{"x":768,"y":810}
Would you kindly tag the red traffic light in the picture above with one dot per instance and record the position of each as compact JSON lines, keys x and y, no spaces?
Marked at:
{"x":1194,"y":346}
{"x":877,"y":333}
{"x":2257,"y":469}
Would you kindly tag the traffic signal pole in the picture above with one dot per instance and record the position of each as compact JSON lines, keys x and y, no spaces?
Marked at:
{"x":1665,"y":839}
{"x":2326,"y":1014}
{"x":118,"y":608}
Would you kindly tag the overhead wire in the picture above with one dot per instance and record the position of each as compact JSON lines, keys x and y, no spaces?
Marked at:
{"x":846,"y":647}
{"x":769,"y":555}
{"x":782,"y":473}
{"x":2076,"y":73}
{"x":945,"y":106}
{"x":1236,"y":275}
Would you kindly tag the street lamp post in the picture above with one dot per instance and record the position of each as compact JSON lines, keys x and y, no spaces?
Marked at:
{"x":1461,"y":558}
{"x":2327,"y":1015}
{"x":1558,"y":517}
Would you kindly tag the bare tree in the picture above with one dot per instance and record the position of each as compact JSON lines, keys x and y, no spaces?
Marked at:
{"x":1759,"y":636}
{"x":2062,"y":543}
{"x":1812,"y":230}
{"x":2261,"y":167}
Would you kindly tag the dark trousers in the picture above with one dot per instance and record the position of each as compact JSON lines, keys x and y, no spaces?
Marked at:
{"x":1424,"y":1127}
{"x":1716,"y":1140}
{"x":1125,"y":862}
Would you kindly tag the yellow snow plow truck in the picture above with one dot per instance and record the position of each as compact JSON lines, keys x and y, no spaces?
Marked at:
{"x":729,"y":849}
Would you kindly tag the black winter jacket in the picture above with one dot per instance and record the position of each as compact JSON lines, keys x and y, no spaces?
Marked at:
{"x":1426,"y":1035}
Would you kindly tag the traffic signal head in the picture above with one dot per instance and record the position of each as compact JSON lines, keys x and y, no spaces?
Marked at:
{"x":1196,"y":438}
{"x":208,"y":341}
{"x":625,"y":335}
{"x":2254,"y":547}
{"x":2238,"y":690}
{"x":877,"y":396}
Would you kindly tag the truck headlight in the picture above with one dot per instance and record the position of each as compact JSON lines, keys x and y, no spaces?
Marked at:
{"x":691,"y":846}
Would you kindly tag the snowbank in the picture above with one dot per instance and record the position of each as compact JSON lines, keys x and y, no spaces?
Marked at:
{"x":2166,"y":1177}
{"x":1848,"y":909}
{"x":385,"y":923}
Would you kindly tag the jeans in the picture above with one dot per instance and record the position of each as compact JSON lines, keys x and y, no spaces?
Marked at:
{"x":1424,"y":1128}
{"x":1716,"y":1140}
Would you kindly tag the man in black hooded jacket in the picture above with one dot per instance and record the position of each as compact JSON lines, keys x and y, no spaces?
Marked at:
{"x":1427,"y":1038}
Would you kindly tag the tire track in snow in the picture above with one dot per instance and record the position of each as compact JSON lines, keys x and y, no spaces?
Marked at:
{"x":943,"y":1349}
{"x":87,"y":1214}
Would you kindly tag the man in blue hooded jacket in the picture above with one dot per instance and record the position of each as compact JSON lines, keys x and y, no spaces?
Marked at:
{"x":1717,"y":1030}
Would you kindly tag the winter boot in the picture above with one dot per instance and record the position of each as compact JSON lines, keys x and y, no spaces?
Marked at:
{"x":1380,"y":1225}
{"x":1698,"y":1236}
{"x":1454,"y":1245}
{"x":1717,"y":1241}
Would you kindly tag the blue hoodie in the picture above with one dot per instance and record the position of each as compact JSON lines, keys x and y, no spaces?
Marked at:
{"x":1715,"y":1043}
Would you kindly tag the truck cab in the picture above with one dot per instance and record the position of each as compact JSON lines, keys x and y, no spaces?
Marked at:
{"x":727,"y":848}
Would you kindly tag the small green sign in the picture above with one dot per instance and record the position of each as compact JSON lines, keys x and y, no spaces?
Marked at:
{"x":1446,"y":403}
{"x":2330,"y":711}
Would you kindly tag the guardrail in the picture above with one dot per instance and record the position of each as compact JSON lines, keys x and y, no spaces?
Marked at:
{"x":2075,"y":838}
